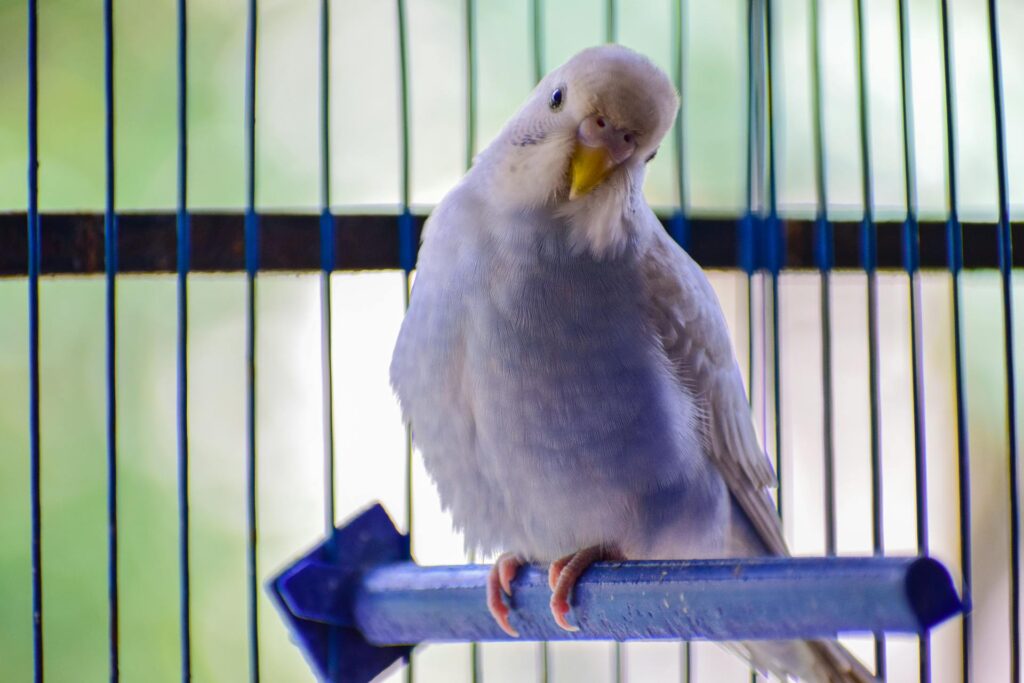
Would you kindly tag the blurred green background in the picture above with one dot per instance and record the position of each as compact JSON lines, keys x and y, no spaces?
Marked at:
{"x":365,"y":172}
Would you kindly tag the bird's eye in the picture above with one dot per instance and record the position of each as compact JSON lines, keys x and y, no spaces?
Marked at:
{"x":556,"y":99}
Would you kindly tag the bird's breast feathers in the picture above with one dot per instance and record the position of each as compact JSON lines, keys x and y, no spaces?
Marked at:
{"x":538,"y":389}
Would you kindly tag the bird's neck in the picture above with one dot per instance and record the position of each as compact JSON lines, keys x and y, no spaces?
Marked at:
{"x":604,"y":223}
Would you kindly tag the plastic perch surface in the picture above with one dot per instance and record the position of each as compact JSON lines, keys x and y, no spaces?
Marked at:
{"x":357,"y":603}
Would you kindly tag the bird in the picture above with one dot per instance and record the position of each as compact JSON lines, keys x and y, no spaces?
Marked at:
{"x":566,"y":369}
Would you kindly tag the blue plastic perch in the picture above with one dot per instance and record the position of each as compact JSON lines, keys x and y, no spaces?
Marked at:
{"x":357,"y":603}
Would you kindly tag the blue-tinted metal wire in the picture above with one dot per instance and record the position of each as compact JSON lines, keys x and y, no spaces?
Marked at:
{"x":911,"y":258}
{"x":679,"y":226}
{"x":955,"y":241}
{"x":868,"y":238}
{"x":110,"y":267}
{"x":745,"y":229}
{"x":537,"y":38}
{"x":407,"y":250}
{"x":823,"y":250}
{"x":775,"y":251}
{"x":33,"y":340}
{"x":470,"y":82}
{"x":537,"y":46}
{"x":327,"y":262}
{"x":251,"y":267}
{"x":746,"y":242}
{"x":611,"y":36}
{"x":475,"y":663}
{"x":611,"y":21}
{"x":1006,"y":278}
{"x":184,"y":252}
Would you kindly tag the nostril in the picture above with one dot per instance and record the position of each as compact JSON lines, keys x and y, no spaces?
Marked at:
{"x":628,"y":137}
{"x":600,"y":122}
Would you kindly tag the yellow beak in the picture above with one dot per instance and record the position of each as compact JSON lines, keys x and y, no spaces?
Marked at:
{"x":589,"y":166}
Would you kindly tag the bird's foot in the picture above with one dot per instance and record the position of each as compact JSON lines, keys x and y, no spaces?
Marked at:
{"x":563,"y":574}
{"x":500,"y":581}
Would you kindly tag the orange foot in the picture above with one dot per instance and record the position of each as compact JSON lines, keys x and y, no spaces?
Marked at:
{"x":500,"y":581}
{"x":563,"y":574}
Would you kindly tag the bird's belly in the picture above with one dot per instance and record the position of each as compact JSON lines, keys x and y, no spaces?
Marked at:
{"x":578,"y":419}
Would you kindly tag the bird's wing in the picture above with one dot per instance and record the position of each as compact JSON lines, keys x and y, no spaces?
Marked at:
{"x":685,"y":312}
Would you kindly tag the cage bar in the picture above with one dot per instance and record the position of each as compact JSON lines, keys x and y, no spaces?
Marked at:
{"x":72,"y":243}
{"x":33,"y":259}
{"x":678,"y":224}
{"x":407,"y":246}
{"x":1006,"y":280}
{"x":911,"y":240}
{"x":774,"y":249}
{"x":110,"y":241}
{"x":823,"y":256}
{"x":327,"y":264}
{"x":184,"y":253}
{"x":537,"y":38}
{"x":954,"y":238}
{"x":869,"y":258}
{"x":251,"y":268}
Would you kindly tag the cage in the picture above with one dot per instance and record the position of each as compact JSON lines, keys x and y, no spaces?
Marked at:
{"x":197,"y":394}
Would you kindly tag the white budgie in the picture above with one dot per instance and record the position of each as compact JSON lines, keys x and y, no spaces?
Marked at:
{"x":566,"y":367}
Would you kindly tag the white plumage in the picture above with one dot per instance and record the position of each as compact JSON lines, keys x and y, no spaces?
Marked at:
{"x":566,"y":367}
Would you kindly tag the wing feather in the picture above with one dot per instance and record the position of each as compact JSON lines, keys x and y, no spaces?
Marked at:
{"x":686,"y":314}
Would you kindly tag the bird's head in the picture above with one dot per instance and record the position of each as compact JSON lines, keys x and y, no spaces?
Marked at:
{"x":580,"y":142}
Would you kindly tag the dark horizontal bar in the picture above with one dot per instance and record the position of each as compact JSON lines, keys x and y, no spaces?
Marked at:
{"x":72,"y":243}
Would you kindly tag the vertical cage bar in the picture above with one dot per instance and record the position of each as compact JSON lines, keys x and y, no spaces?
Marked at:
{"x":184,"y":252}
{"x":33,"y":340}
{"x":327,"y":262}
{"x":475,"y":663}
{"x":405,"y":226}
{"x":537,"y":45}
{"x":678,"y":225}
{"x":955,"y":240}
{"x":110,"y":270}
{"x":911,"y":260}
{"x":407,"y":255}
{"x":747,"y":248}
{"x":1006,"y":279}
{"x":471,"y":117}
{"x":823,"y":253}
{"x":774,"y":248}
{"x":611,"y":27}
{"x":611,"y":21}
{"x":537,"y":38}
{"x":868,"y":238}
{"x":251,"y":268}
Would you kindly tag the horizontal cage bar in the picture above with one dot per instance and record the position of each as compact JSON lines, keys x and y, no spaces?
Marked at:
{"x":72,"y":243}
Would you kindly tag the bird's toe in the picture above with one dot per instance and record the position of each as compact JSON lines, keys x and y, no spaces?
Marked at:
{"x":499,"y":584}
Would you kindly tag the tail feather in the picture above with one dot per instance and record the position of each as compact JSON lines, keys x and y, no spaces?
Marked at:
{"x":813,"y":661}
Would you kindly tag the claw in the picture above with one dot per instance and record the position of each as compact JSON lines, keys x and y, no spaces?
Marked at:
{"x":499,"y":581}
{"x":507,"y":568}
{"x":560,"y":608}
{"x":563,"y":575}
{"x":555,"y":570}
